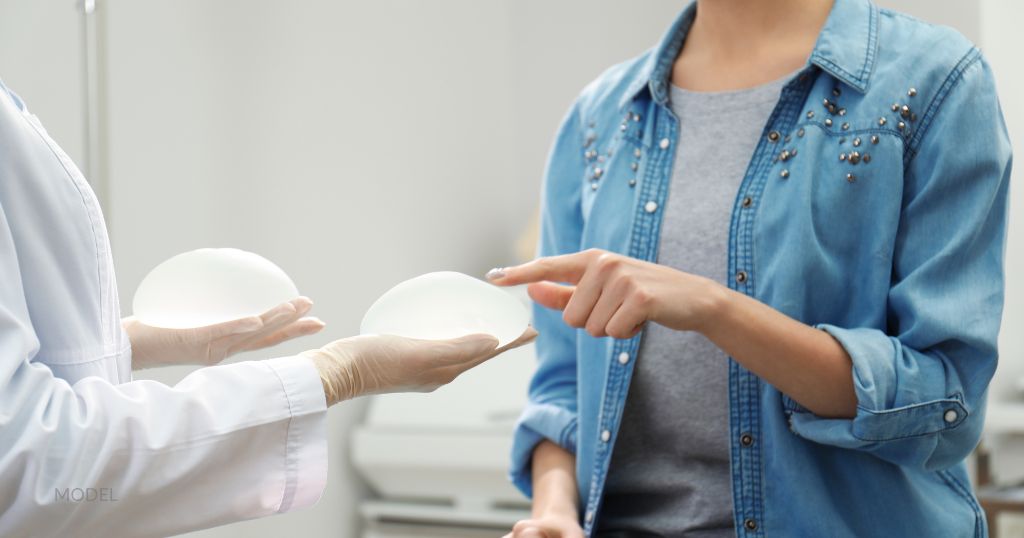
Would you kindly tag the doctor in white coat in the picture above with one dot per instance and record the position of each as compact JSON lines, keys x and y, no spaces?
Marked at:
{"x":227,"y":443}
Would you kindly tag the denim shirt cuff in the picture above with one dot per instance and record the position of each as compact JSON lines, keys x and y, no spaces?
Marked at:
{"x":537,"y":423}
{"x":877,"y":420}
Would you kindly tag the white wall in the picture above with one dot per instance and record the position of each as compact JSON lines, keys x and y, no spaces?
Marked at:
{"x":1002,"y":44}
{"x":357,"y":144}
{"x":40,"y":59}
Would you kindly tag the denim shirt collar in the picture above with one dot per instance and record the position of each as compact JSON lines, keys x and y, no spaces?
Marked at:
{"x":845,"y":49}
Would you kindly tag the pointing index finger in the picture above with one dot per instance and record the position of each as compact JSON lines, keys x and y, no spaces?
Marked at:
{"x":567,"y":268}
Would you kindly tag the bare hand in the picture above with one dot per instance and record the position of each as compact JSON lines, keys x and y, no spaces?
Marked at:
{"x":155,"y":346}
{"x":547,"y":527}
{"x":614,"y":295}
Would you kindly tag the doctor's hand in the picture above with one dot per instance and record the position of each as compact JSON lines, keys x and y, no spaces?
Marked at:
{"x":154,"y":346}
{"x":614,"y":295}
{"x":378,"y":364}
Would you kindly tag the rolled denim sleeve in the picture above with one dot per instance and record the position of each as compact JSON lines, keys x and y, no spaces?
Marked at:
{"x":921,"y":384}
{"x":551,"y":410}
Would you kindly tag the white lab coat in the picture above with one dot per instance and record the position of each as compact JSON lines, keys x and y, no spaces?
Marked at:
{"x":227,"y":443}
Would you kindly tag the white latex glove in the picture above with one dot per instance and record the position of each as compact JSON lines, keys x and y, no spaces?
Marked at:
{"x":154,"y":346}
{"x":377,"y":364}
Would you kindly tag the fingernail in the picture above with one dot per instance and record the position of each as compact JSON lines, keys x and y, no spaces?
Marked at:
{"x":496,"y":273}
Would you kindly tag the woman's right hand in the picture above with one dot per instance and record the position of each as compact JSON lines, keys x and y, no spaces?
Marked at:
{"x":378,"y":364}
{"x":552,"y":526}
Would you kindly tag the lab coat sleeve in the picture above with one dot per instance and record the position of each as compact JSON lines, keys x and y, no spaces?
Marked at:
{"x":921,"y":385}
{"x":141,"y":458}
{"x":551,"y":409}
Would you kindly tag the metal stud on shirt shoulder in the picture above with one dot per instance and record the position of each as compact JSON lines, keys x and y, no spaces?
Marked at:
{"x":874,"y":139}
{"x":881,"y":121}
{"x":828,"y":122}
{"x":912,"y":92}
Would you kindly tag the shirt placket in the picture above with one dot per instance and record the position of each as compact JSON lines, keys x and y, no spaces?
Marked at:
{"x":744,"y":387}
{"x":653,"y":185}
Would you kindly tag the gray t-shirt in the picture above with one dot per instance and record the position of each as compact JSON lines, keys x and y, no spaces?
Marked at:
{"x":669,"y":473}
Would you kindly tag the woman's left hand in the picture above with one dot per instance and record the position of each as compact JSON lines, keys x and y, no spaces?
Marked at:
{"x":614,"y":295}
{"x":154,"y":346}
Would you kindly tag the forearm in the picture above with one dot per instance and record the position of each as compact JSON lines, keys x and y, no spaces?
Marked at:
{"x":615,"y":295}
{"x":806,"y":364}
{"x":554,"y":482}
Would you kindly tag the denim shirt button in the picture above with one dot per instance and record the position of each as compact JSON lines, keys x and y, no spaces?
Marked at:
{"x":623,"y":357}
{"x":746,"y":439}
{"x":741,"y":277}
{"x":606,"y":436}
{"x":950,"y":416}
{"x":651,"y":206}
{"x":664,"y":143}
{"x":590,"y":516}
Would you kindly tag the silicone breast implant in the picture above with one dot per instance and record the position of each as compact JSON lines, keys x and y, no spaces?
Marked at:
{"x":443,"y":305}
{"x":208,"y":286}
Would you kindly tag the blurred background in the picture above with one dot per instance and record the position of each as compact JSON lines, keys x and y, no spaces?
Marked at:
{"x":357,"y":144}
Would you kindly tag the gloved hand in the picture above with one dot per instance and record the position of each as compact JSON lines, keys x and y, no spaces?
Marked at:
{"x":154,"y":346}
{"x":377,"y":364}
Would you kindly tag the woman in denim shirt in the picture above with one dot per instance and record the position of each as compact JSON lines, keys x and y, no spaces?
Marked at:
{"x":862,"y":288}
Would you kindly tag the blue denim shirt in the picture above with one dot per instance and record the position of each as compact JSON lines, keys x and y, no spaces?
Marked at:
{"x":874,"y":208}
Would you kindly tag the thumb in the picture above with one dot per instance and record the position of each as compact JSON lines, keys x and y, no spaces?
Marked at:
{"x":551,"y":295}
{"x":233,"y":327}
{"x":476,"y":344}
